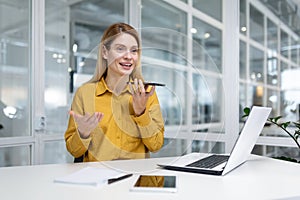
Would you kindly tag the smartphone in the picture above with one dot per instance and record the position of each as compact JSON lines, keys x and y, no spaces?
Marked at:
{"x":155,"y":183}
{"x":151,"y":83}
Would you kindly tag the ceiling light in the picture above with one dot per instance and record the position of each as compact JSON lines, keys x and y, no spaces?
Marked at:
{"x":75,"y":48}
{"x":243,"y":29}
{"x":206,"y":35}
{"x":81,"y":64}
{"x":10,"y":112}
{"x":193,"y":30}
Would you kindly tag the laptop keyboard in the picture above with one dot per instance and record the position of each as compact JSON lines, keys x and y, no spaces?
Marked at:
{"x":209,"y":162}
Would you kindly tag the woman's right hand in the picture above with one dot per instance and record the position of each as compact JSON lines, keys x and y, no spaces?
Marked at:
{"x":86,"y":123}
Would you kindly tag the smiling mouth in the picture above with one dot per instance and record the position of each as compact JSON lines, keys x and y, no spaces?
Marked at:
{"x":127,"y":66}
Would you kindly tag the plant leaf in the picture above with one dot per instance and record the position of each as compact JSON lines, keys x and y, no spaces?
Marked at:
{"x":297,"y":124}
{"x":246,"y":112}
{"x":285,"y":124}
{"x":297,"y":134}
{"x":277,"y":118}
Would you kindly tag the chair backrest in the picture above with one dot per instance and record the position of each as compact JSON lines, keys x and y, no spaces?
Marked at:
{"x":80,"y":159}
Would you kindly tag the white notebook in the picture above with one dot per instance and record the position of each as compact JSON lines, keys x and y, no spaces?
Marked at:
{"x":89,"y":176}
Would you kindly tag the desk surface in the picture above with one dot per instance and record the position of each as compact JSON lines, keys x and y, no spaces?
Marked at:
{"x":258,"y":178}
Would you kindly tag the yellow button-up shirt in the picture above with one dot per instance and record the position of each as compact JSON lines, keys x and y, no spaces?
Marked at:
{"x":120,"y":134}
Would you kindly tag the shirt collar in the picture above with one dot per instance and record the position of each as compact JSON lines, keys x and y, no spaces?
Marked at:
{"x":102,"y":87}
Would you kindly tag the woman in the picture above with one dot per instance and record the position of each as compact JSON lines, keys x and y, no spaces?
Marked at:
{"x":114,"y":116}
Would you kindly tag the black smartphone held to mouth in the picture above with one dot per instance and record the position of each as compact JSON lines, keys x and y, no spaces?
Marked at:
{"x":155,"y":183}
{"x":146,"y":83}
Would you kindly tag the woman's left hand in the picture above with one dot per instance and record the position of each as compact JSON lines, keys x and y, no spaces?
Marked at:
{"x":139,"y":96}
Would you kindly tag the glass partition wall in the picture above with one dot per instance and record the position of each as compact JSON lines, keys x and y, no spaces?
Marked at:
{"x":184,"y":43}
{"x":269,"y":55}
{"x":15,"y":79}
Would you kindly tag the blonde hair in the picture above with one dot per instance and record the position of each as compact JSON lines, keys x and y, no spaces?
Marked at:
{"x":109,"y":35}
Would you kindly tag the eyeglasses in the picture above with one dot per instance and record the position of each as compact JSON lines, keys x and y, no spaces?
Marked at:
{"x":121,"y":49}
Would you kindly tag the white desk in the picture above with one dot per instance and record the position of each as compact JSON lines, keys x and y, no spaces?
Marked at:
{"x":259,"y":178}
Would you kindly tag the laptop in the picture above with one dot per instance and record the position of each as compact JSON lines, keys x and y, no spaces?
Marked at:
{"x":220,"y":164}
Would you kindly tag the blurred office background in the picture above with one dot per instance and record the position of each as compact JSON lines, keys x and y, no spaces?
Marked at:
{"x":216,"y":57}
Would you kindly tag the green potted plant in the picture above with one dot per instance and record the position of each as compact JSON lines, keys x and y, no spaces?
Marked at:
{"x":283,"y":126}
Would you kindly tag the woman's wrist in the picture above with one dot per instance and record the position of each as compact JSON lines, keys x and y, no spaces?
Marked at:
{"x":83,"y":135}
{"x":137,"y":114}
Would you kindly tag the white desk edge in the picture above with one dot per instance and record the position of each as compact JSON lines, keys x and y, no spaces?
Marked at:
{"x":258,"y":178}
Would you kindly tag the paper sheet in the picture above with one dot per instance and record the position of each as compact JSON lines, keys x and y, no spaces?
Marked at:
{"x":89,"y":176}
